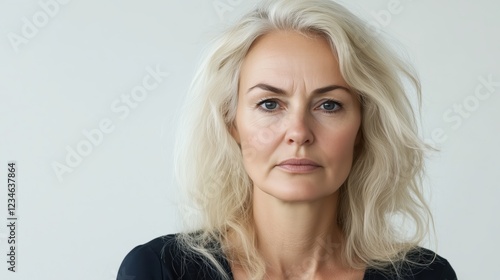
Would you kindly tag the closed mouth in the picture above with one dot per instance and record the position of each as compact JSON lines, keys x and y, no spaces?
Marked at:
{"x":299,"y":162}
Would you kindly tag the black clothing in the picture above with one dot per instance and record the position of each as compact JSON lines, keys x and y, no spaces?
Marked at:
{"x":161,"y":259}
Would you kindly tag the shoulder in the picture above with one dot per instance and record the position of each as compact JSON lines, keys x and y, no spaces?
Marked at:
{"x":420,"y":264}
{"x":163,"y":258}
{"x":146,"y":261}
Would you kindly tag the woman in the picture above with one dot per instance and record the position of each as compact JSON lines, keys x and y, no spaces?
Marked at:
{"x":301,"y":152}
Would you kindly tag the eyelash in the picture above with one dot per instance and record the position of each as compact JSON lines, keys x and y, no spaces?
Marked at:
{"x":339,"y":105}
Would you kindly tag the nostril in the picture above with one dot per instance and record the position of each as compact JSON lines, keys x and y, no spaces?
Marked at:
{"x":307,"y":139}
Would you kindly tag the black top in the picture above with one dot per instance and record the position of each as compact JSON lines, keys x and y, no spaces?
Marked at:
{"x":161,"y":259}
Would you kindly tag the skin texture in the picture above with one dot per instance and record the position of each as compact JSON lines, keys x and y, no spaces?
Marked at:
{"x":295,"y":211}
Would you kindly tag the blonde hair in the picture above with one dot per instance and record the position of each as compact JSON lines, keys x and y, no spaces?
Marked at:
{"x":386,"y":176}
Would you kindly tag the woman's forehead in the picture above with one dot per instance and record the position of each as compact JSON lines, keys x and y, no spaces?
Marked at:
{"x":284,"y":55}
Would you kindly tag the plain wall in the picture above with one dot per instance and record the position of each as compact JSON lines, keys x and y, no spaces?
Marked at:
{"x":73,"y":69}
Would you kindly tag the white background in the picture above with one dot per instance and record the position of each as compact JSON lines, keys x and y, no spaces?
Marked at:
{"x":66,"y":76}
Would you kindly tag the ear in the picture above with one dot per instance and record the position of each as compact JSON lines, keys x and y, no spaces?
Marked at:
{"x":233,"y":130}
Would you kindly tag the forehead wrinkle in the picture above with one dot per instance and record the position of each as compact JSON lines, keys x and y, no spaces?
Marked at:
{"x":271,"y":56}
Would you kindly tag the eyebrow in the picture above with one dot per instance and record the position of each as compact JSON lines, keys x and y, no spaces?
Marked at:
{"x":281,"y":91}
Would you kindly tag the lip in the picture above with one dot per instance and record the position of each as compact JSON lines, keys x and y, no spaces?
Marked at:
{"x":298,"y":165}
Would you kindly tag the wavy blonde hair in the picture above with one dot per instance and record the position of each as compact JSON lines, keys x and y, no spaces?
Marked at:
{"x":386,"y":176}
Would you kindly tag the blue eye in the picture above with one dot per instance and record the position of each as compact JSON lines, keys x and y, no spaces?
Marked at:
{"x":268,"y":105}
{"x":331,"y":106}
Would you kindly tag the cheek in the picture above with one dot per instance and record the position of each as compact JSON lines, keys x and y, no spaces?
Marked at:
{"x":259,"y":139}
{"x":340,"y":145}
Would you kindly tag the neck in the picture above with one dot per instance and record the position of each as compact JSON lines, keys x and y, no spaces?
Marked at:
{"x":296,"y":237}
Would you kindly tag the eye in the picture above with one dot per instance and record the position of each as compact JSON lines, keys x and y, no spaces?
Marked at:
{"x":331,"y":106}
{"x":268,"y":105}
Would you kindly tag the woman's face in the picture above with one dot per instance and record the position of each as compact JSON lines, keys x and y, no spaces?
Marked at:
{"x":294,"y":104}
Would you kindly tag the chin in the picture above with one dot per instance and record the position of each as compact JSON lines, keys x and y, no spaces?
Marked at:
{"x":297,"y":192}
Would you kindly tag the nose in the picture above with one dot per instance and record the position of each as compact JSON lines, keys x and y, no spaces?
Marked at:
{"x":299,"y":130}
